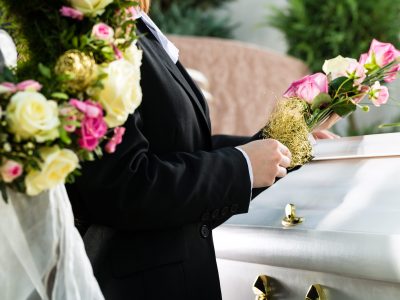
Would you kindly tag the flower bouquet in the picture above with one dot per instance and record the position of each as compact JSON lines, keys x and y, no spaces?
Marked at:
{"x":322,"y":97}
{"x":61,"y":103}
{"x":64,"y":101}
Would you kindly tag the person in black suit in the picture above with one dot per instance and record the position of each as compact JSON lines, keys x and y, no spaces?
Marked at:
{"x":147,"y":211}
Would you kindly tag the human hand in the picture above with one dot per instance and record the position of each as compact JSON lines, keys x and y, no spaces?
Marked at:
{"x":269,"y":159}
{"x":325,"y":134}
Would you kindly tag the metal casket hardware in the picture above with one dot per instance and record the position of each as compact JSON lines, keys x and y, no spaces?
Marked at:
{"x":291,"y":219}
{"x":315,"y":292}
{"x":262,"y":288}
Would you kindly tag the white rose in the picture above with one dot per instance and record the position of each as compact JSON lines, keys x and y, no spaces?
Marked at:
{"x":90,"y":7}
{"x":121,"y":93}
{"x":8,"y":49}
{"x":338,"y":66}
{"x":56,"y":166}
{"x":31,"y":115}
{"x":134,"y":55}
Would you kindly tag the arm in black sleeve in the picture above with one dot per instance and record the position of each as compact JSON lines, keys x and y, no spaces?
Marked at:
{"x":222,"y":140}
{"x":137,"y":189}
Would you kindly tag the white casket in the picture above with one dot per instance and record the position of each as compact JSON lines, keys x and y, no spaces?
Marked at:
{"x":349,"y":241}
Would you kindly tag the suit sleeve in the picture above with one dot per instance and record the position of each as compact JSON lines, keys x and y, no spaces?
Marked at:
{"x":221,"y":140}
{"x":137,"y":189}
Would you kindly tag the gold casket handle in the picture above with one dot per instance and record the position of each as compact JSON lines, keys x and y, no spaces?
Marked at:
{"x":261,"y":288}
{"x":315,"y":292}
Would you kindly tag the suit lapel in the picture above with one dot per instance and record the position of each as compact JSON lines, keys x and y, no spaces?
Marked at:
{"x":151,"y":41}
{"x":173,"y":69}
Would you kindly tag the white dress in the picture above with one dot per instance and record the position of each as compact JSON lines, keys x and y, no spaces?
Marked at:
{"x":42,"y":255}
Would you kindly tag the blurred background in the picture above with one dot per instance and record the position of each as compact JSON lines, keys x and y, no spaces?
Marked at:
{"x":267,"y":32}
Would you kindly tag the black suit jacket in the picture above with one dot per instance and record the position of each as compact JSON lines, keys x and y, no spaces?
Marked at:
{"x":152,"y":204}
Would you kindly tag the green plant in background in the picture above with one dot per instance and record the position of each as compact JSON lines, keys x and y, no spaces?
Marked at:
{"x":191,"y":17}
{"x":319,"y":30}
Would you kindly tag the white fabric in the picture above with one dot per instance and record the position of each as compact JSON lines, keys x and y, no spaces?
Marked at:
{"x":249,"y":166}
{"x":168,"y":46}
{"x":8,"y":49}
{"x":41,"y":253}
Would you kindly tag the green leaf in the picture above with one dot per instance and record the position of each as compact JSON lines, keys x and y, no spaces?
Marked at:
{"x":45,"y":71}
{"x":64,"y":136}
{"x":61,"y":96}
{"x":75,"y":42}
{"x":7,"y":75}
{"x":320,"y":100}
{"x":344,"y":108}
{"x":341,"y":85}
{"x":389,"y":125}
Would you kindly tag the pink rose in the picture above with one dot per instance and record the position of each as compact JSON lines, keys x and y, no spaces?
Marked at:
{"x":103,"y":32}
{"x":115,"y":140}
{"x":72,"y":13}
{"x":93,"y":127}
{"x":89,"y":108}
{"x":29,"y":85}
{"x":10,"y":170}
{"x":7,"y":87}
{"x":91,"y":131}
{"x":385,"y":53}
{"x":363,"y":58}
{"x":308,"y":87}
{"x":392,"y":74}
{"x":379,"y":55}
{"x":378,"y":94}
{"x":356,"y":71}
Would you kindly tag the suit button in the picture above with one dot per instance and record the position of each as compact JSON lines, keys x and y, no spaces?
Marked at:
{"x":206,"y":217}
{"x":205,"y":231}
{"x":225,"y":211}
{"x":215,"y":214}
{"x":234,"y":208}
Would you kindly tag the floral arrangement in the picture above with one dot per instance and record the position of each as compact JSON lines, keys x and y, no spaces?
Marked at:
{"x":65,"y":101}
{"x":312,"y":100}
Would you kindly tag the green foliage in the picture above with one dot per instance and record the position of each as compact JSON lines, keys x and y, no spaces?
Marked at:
{"x":204,"y":4}
{"x":319,"y":30}
{"x":191,"y":17}
{"x":42,"y":34}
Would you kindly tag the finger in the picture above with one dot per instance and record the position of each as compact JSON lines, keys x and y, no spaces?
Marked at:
{"x":282,"y":172}
{"x":325,"y":134}
{"x":285,"y":161}
{"x":284,"y":150}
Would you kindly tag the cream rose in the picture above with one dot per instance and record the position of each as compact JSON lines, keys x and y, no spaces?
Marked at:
{"x":134,"y":56}
{"x":121,"y":93}
{"x":344,"y":66}
{"x":337,"y":65}
{"x":90,"y":7}
{"x":31,"y":115}
{"x":56,"y":166}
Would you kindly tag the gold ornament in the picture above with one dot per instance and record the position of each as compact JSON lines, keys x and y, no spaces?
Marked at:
{"x":79,"y":67}
{"x":287,"y":124}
